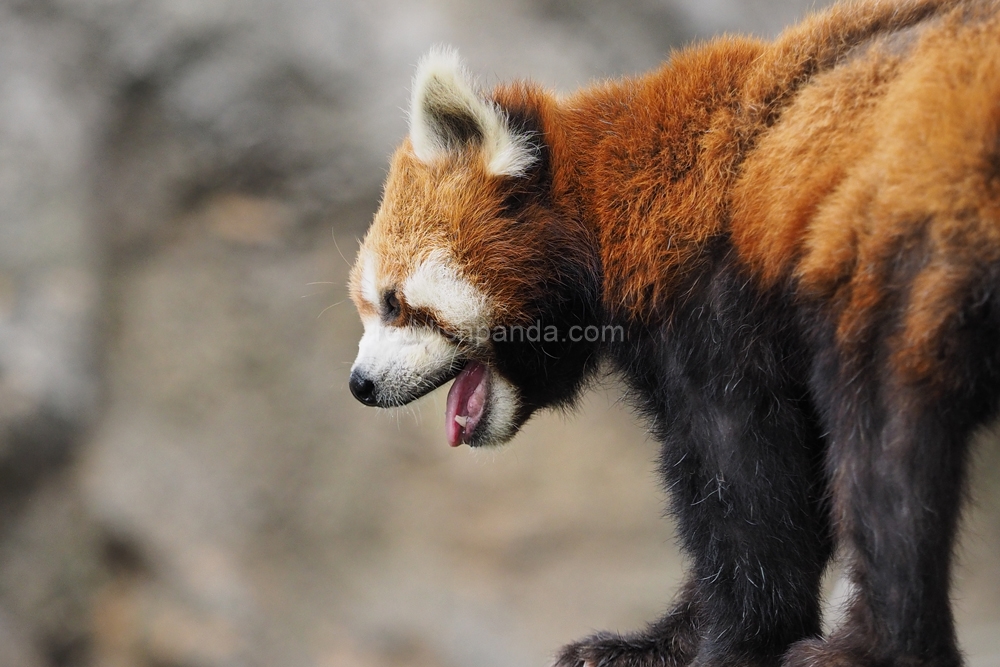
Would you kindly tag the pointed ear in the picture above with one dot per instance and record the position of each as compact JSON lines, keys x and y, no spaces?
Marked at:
{"x":448,"y":115}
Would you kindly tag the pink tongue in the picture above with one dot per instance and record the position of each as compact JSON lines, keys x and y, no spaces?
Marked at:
{"x":466,"y":400}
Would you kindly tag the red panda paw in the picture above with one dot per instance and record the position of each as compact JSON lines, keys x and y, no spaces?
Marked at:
{"x":845,"y":650}
{"x":670,"y":642}
{"x":607,"y":649}
{"x":821,"y":653}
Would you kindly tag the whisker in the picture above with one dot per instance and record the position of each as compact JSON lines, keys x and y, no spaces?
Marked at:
{"x":328,"y":308}
{"x":337,"y":246}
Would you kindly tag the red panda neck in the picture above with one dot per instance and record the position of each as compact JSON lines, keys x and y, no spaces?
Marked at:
{"x":647,"y":164}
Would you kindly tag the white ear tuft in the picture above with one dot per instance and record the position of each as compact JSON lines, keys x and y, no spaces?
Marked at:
{"x":447,"y":114}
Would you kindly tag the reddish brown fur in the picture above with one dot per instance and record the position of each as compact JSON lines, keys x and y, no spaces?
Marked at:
{"x":693,"y":153}
{"x":444,"y":207}
{"x":455,"y":206}
{"x":795,"y":148}
{"x":902,"y":163}
{"x":665,"y":180}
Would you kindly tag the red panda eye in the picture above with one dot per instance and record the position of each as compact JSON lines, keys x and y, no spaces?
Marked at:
{"x":391,"y":306}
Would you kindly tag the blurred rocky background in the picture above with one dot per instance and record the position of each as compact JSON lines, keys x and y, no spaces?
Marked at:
{"x":184,"y":478}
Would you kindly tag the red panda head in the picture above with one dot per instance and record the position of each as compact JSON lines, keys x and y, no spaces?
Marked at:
{"x":468,"y":271}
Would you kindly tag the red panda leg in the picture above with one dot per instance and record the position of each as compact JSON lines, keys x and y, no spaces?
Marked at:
{"x":897,"y":462}
{"x":742,"y":456}
{"x":897,"y":493}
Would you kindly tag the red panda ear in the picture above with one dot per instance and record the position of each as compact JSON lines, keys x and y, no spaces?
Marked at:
{"x":448,"y":115}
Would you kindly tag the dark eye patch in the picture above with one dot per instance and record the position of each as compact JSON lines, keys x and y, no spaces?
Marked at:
{"x":391,"y":308}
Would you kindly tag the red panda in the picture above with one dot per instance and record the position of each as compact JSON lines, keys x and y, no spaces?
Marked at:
{"x":789,"y":250}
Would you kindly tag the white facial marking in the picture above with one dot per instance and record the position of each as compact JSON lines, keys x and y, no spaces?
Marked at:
{"x":369,"y":273}
{"x":442,"y":86}
{"x":437,"y":286}
{"x":503,"y":405}
{"x":402,"y":361}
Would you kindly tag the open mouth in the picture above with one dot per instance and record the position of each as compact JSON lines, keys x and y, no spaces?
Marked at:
{"x":467,"y":403}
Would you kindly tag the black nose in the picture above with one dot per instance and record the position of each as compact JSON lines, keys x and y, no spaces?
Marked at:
{"x":363,"y":388}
